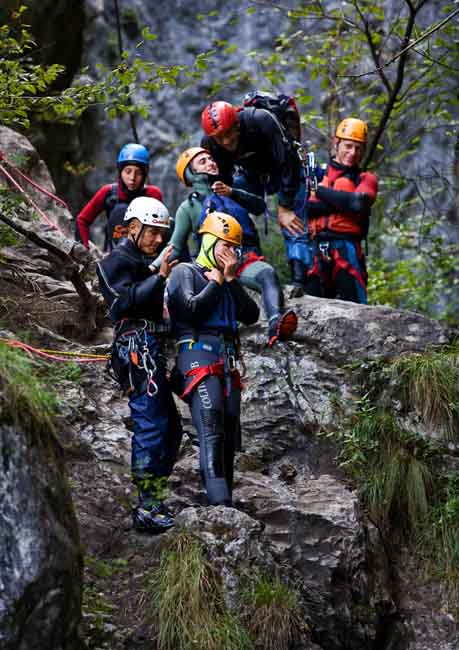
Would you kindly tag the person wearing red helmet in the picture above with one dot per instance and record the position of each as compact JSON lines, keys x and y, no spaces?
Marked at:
{"x":338,"y":214}
{"x":253,"y":139}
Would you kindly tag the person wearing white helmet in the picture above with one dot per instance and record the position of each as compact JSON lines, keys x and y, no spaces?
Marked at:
{"x":134,"y":297}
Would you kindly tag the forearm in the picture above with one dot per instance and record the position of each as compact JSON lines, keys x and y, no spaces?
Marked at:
{"x":357,"y":203}
{"x":247,"y":310}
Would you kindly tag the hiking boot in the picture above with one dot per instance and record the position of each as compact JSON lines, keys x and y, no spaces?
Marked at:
{"x":282,"y":329}
{"x":297,"y":291}
{"x":158,"y":519}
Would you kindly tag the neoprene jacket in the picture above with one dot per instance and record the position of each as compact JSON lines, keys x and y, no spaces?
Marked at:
{"x":197,"y":306}
{"x":342,"y":206}
{"x":98,"y":204}
{"x":128,"y":286}
{"x":263,"y":152}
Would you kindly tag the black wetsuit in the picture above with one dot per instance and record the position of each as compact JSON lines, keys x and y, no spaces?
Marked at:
{"x":204,"y":315}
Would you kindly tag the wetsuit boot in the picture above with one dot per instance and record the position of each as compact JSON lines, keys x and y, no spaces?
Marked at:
{"x":299,"y":273}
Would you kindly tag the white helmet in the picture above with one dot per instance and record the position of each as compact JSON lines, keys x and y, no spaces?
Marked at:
{"x":148,"y":211}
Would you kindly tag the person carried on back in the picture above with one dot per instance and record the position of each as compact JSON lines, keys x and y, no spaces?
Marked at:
{"x":113,"y":199}
{"x":197,"y":169}
{"x":338,"y":216}
{"x":134,"y":297}
{"x":205,"y":302}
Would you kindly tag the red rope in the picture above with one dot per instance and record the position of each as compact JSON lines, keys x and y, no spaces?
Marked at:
{"x":41,"y":189}
{"x":53,"y":357}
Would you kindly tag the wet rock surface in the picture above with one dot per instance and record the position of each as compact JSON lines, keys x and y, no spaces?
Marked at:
{"x":41,"y":562}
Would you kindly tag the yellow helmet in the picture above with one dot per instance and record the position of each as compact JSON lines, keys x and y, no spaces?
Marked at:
{"x":223,"y":226}
{"x":184,"y":160}
{"x":352,"y":129}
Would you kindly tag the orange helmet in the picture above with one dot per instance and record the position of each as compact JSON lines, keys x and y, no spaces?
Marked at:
{"x":222,"y":226}
{"x":352,"y":129}
{"x":184,"y":160}
{"x":218,"y":117}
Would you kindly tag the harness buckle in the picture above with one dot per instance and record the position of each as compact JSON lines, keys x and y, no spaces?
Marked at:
{"x":231,"y":362}
{"x":324,"y":247}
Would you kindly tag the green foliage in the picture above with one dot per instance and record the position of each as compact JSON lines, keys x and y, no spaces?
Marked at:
{"x":425,"y":279}
{"x":429,"y":383}
{"x":271,"y":612}
{"x":393,"y":468}
{"x":185,"y":600}
{"x":24,"y":399}
{"x":24,"y":84}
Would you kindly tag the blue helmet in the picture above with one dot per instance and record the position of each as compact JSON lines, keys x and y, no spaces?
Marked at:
{"x":133,"y":154}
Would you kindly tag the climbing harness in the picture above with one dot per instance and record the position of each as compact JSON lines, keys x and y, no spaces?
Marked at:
{"x":131,"y":363}
{"x":225,"y":368}
{"x":43,"y":190}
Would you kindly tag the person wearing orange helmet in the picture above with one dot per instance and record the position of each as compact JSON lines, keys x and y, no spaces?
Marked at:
{"x":338,"y":216}
{"x":205,"y":302}
{"x":253,"y":139}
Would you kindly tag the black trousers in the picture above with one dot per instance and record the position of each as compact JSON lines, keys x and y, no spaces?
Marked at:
{"x":216,"y":417}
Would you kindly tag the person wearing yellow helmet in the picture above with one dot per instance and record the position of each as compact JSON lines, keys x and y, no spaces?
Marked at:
{"x":205,"y":302}
{"x":338,"y":217}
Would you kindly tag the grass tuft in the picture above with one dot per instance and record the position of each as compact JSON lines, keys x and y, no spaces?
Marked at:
{"x":430,"y":385}
{"x":272,"y":613}
{"x":394,"y":469}
{"x":186,"y":604}
{"x":24,"y":400}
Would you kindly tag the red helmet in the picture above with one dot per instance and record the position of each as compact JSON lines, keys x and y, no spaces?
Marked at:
{"x":218,"y":117}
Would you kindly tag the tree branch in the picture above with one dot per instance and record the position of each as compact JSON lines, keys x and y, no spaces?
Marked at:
{"x":69,"y":266}
{"x":394,"y":92}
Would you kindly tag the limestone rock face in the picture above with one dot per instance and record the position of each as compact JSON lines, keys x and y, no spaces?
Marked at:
{"x":40,"y":571}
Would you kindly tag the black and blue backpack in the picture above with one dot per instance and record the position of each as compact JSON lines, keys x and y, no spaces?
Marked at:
{"x":216,"y":203}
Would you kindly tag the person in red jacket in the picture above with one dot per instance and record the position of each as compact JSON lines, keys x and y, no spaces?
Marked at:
{"x":338,"y":215}
{"x":113,"y":199}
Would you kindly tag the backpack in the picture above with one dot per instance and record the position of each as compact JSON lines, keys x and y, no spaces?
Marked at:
{"x":282,"y":107}
{"x":224,"y":204}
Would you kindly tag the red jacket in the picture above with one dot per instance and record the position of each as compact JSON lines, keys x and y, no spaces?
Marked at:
{"x":348,"y":195}
{"x":97,"y":205}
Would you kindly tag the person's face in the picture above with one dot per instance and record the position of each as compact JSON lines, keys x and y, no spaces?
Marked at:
{"x":132,"y":176}
{"x":223,"y":247}
{"x":348,"y":152}
{"x":230,"y":139}
{"x":150,"y":239}
{"x":203,"y":163}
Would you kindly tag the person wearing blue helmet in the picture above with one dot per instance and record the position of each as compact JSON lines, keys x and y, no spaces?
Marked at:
{"x":113,"y":199}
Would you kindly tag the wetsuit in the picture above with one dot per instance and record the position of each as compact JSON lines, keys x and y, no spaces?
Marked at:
{"x":338,"y":221}
{"x":113,"y":199}
{"x":266,"y":155}
{"x":204,"y":316}
{"x":134,"y":297}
